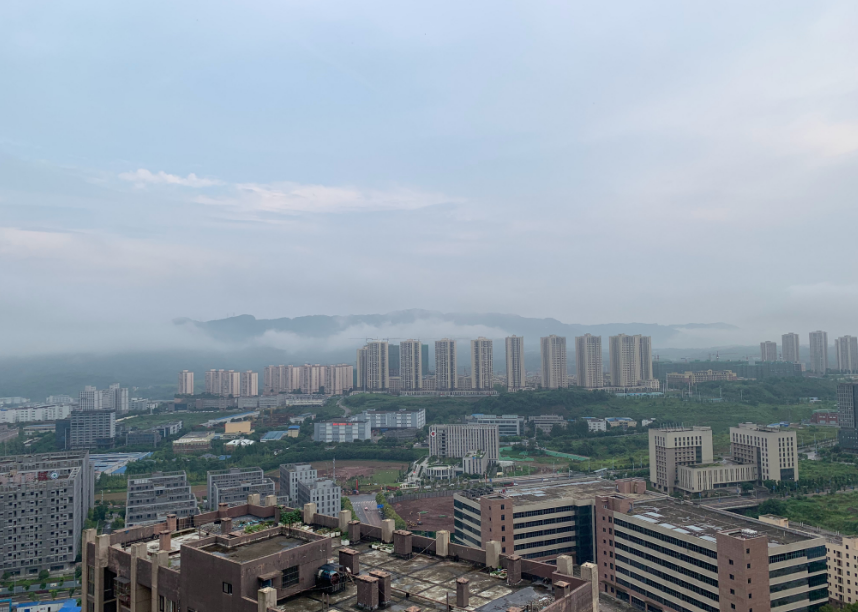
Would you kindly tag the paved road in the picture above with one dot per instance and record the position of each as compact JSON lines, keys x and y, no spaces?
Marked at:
{"x":346,"y":410}
{"x":365,"y":508}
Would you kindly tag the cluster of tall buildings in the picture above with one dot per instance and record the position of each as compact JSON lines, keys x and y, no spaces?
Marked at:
{"x":114,"y":397}
{"x":228,"y":383}
{"x":845,"y":352}
{"x":307,"y":378}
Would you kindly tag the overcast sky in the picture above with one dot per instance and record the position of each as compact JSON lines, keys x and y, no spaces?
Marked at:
{"x":663,"y":162}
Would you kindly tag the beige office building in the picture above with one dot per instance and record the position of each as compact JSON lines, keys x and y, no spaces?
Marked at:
{"x":186,"y":383}
{"x":373,"y":366}
{"x":772,"y":450}
{"x":339,"y":378}
{"x":249,"y":384}
{"x":846,"y":351}
{"x":312,"y":378}
{"x":410,"y":365}
{"x":446,"y":378}
{"x":516,"y":376}
{"x":672,"y":447}
{"x":768,"y":351}
{"x":789,"y":346}
{"x":818,"y":352}
{"x":459,"y":440}
{"x":706,"y":477}
{"x":554,"y":370}
{"x":482,"y":364}
{"x":588,"y":361}
{"x":231,"y":383}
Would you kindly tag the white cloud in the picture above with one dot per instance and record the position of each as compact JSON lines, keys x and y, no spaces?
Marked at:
{"x":142,"y":177}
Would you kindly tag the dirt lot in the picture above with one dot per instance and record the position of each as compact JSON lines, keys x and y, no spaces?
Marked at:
{"x":347,"y":470}
{"x":435,"y":507}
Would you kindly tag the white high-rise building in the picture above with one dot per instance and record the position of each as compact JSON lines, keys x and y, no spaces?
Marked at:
{"x":271,"y":378}
{"x":554,"y":369}
{"x":214,"y":382}
{"x":312,"y":378}
{"x":231,"y":381}
{"x":90,"y":399}
{"x":410,"y":365}
{"x":186,"y":383}
{"x":646,"y":358}
{"x":445,"y":365}
{"x":819,"y":352}
{"x":339,"y":378}
{"x":516,"y":376}
{"x":625,"y":353}
{"x":588,"y":361}
{"x":482,"y":363}
{"x":373,"y":366}
{"x":789,"y":344}
{"x":249,"y":384}
{"x":846,"y":350}
{"x":768,"y":351}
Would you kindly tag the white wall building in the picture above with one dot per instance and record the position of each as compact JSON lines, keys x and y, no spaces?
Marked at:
{"x":818,"y":352}
{"x":186,"y":383}
{"x":516,"y":376}
{"x":410,"y":365}
{"x":554,"y":368}
{"x":789,"y":346}
{"x":588,"y":361}
{"x":459,"y":440}
{"x":482,"y":363}
{"x":446,"y":376}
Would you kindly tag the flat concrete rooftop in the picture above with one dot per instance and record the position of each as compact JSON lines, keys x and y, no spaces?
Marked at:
{"x":704,"y":523}
{"x":254,"y":550}
{"x":427,"y":580}
{"x":580,"y":489}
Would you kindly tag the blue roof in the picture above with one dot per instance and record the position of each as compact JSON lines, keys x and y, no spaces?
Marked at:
{"x":273,"y":435}
{"x":68,"y":605}
{"x":294,"y":427}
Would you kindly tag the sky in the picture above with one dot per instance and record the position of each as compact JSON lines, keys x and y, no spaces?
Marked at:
{"x":665,"y":162}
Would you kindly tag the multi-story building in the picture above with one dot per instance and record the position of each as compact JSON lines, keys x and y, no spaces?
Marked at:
{"x":692,"y":378}
{"x":446,"y":378}
{"x":249,"y":384}
{"x":625,"y":352}
{"x":847,"y":416}
{"x":312,"y":378}
{"x":555,"y":374}
{"x":90,"y":399}
{"x":89,"y":429}
{"x":671,"y":447}
{"x":516,"y":377}
{"x":768,"y":351}
{"x":588,"y":361}
{"x":482,"y":363}
{"x":44,"y":500}
{"x":231,"y":384}
{"x":595,"y":424}
{"x":149,"y":500}
{"x":841,"y":565}
{"x":193,"y":442}
{"x":773,"y":450}
{"x":339,"y":378}
{"x":508,"y":424}
{"x":142,"y":437}
{"x":400,"y":419}
{"x":232,"y":486}
{"x":293,"y":473}
{"x":326,"y":494}
{"x":819,"y":352}
{"x":115,"y":398}
{"x":790,"y":348}
{"x":186,"y":383}
{"x":661,"y":554}
{"x":214,"y":382}
{"x":546,"y":422}
{"x":170,"y":429}
{"x":645,"y":359}
{"x":341,"y":431}
{"x":373,"y":366}
{"x":459,"y":440}
{"x":410,"y":365}
{"x":846,"y":351}
{"x":281,"y":379}
{"x":428,"y":383}
{"x":58,"y":399}
{"x":29,"y":414}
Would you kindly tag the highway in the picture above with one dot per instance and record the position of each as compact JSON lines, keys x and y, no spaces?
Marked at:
{"x":366,"y":510}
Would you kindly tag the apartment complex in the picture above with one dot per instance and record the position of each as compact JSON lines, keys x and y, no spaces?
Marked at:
{"x":112,"y":398}
{"x":44,"y":500}
{"x":630,"y":360}
{"x":588,"y":361}
{"x":229,"y":383}
{"x":150,"y":500}
{"x":790,"y":348}
{"x":656,"y":553}
{"x":673,"y":447}
{"x":768,"y":351}
{"x":459,"y":440}
{"x":410,"y":365}
{"x":325,"y":494}
{"x":341,"y":431}
{"x":692,"y":378}
{"x":846,"y":351}
{"x":281,"y":379}
{"x":482,"y":363}
{"x":400,"y":419}
{"x":28,"y":414}
{"x":232,"y":486}
{"x":516,"y":375}
{"x":773,"y":450}
{"x":508,"y":424}
{"x":249,"y":384}
{"x":555,"y":374}
{"x":446,"y":378}
{"x":373,"y":367}
{"x":847,"y":416}
{"x":186,"y":383}
{"x":293,"y":473}
{"x":818,"y":352}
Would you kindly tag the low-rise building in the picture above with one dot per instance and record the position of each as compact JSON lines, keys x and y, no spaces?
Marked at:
{"x":341,"y":431}
{"x":711,"y":476}
{"x":624,"y":422}
{"x":595,"y":424}
{"x":508,"y":424}
{"x":326,"y":494}
{"x":475,"y":462}
{"x":146,"y":437}
{"x":546,"y":422}
{"x":237,"y":428}
{"x":459,"y":440}
{"x":677,"y":379}
{"x":293,"y":431}
{"x":193,"y":442}
{"x":150,"y":500}
{"x":232,"y":486}
{"x":399,"y":419}
{"x":824,"y":417}
{"x":170,"y":429}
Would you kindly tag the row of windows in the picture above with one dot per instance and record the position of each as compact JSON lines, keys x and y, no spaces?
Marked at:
{"x":464,"y":526}
{"x":543,"y":543}
{"x":668,"y":590}
{"x":809,"y":581}
{"x":545,"y":553}
{"x":666,"y":577}
{"x":464,"y":517}
{"x":544,"y":532}
{"x":543,"y":512}
{"x":813,"y":566}
{"x":653,"y":596}
{"x":811,"y":595}
{"x":459,"y":504}
{"x":548,"y":521}
{"x":810,"y":553}
{"x":669,"y":539}
{"x":671,"y":566}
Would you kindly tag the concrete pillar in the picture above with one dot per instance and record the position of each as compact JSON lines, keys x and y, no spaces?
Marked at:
{"x":385,"y":591}
{"x":350,"y":560}
{"x":172,"y":523}
{"x":590,"y":571}
{"x":564,"y":565}
{"x":102,"y":546}
{"x":493,"y":548}
{"x":253,"y":499}
{"x":222,"y":509}
{"x":345,"y":516}
{"x":159,"y":559}
{"x":354,"y":532}
{"x":165,"y":541}
{"x":140,"y":595}
{"x":387,"y":528}
{"x":463,"y":593}
{"x":270,"y":500}
{"x":266,"y":598}
{"x":562,"y":589}
{"x":367,"y":592}
{"x":309,"y":512}
{"x":442,"y":543}
{"x":513,"y":571}
{"x":225,"y":526}
{"x":402,"y":543}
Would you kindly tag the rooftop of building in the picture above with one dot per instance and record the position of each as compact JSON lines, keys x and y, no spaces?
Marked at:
{"x":196,"y":435}
{"x":674,"y":428}
{"x":254,"y":550}
{"x":705,"y":523}
{"x":582,"y":488}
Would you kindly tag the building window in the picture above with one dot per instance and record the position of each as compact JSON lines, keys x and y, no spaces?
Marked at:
{"x":227,"y":588}
{"x":289,"y":577}
{"x":161,"y":603}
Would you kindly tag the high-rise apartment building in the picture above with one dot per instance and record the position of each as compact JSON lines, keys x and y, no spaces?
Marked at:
{"x":459,"y":440}
{"x":588,"y":361}
{"x":186,"y":383}
{"x":768,"y":351}
{"x":312,"y":378}
{"x":846,"y":351}
{"x":482,"y":364}
{"x":847,"y":416}
{"x":44,"y":500}
{"x":672,"y":447}
{"x":90,"y":399}
{"x":339,"y":378}
{"x":446,"y":376}
{"x":645,"y":358}
{"x":282,"y":379}
{"x":625,"y":352}
{"x":231,"y":384}
{"x":293,"y":473}
{"x":819,"y":352}
{"x":555,"y":374}
{"x":149,"y":500}
{"x":373,"y":366}
{"x":232,"y":486}
{"x":410,"y":365}
{"x":249,"y":384}
{"x":214,"y":382}
{"x":789,"y":346}
{"x":516,"y":376}
{"x":773,"y":450}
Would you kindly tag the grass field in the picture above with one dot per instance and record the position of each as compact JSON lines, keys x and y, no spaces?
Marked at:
{"x":837,"y":512}
{"x":190,"y":419}
{"x":824,"y":469}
